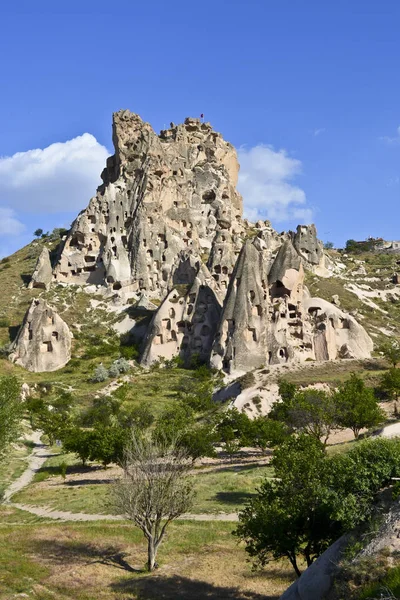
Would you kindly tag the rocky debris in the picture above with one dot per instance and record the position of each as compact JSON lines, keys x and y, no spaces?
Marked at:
{"x":162,"y":194}
{"x":43,"y":342}
{"x":43,"y":273}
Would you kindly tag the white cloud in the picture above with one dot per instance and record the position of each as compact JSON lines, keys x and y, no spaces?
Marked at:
{"x":265,"y":183}
{"x":392,"y":140}
{"x":318,"y":132}
{"x":59,"y":178}
{"x":9,"y":224}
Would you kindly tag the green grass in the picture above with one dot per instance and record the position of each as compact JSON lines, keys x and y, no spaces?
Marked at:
{"x":220,"y":490}
{"x":82,"y":561}
{"x":13,"y":463}
{"x":391,"y":581}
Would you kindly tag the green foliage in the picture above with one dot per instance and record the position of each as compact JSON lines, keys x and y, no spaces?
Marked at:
{"x":38,"y":232}
{"x":11,"y":410}
{"x":288,"y":517}
{"x":357,"y":407}
{"x":391,"y":351}
{"x":138,"y":417}
{"x":174,"y":421}
{"x":199,"y":441}
{"x":311,"y":411}
{"x":314,"y":498}
{"x":390,"y":383}
{"x":247,"y":380}
{"x":100,"y":374}
{"x":267,"y":433}
{"x":328,"y":245}
{"x":63,"y":470}
{"x":105,"y":410}
{"x":233,"y":430}
{"x":104,"y":444}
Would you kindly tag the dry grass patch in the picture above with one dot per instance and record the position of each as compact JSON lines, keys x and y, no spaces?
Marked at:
{"x":105,"y":561}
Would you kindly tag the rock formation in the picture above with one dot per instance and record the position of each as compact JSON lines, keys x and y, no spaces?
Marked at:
{"x":167,"y":224}
{"x":162,"y":194}
{"x":43,"y":342}
{"x":43,"y":273}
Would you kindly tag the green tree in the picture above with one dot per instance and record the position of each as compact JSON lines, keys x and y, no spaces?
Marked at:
{"x":356,"y":406}
{"x":38,"y":233}
{"x":173,"y":422}
{"x":138,"y":417}
{"x":313,"y":412}
{"x":199,"y":441}
{"x":79,"y":442}
{"x":390,"y":383}
{"x":233,"y":430}
{"x":289,"y":517}
{"x":11,"y":410}
{"x":391,"y":352}
{"x":266,"y":433}
{"x":107,"y":445}
{"x":328,"y":245}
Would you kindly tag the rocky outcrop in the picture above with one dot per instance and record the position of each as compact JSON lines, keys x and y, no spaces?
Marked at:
{"x":185,"y":323}
{"x":166,"y":225}
{"x":43,"y":273}
{"x":162,"y":194}
{"x":43,"y":342}
{"x":241,"y":339}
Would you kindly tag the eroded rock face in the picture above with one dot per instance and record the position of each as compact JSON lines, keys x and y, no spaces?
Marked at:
{"x":43,"y":273}
{"x":44,"y":341}
{"x":162,"y":194}
{"x":167,"y":224}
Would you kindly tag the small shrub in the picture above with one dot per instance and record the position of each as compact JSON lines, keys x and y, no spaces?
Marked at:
{"x":100,"y":374}
{"x":113,"y":371}
{"x":247,"y":380}
{"x":4,"y":322}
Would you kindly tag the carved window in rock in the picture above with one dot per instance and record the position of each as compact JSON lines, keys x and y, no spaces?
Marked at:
{"x":54,"y":335}
{"x":30,"y":334}
{"x":292,"y":311}
{"x":252,"y":295}
{"x":46,"y":347}
{"x":181,"y":326}
{"x":251,"y":334}
{"x":173,"y":336}
{"x":205,"y":331}
{"x":158,"y":339}
{"x":166,"y":323}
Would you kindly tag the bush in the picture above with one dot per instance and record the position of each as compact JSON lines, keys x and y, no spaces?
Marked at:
{"x":113,"y":371}
{"x":247,"y":380}
{"x":100,"y":374}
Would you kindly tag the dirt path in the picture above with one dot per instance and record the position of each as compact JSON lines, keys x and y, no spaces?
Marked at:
{"x":36,"y":460}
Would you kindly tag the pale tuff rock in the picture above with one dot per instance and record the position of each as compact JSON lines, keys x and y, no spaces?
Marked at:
{"x":167,"y":224}
{"x":241,"y":338}
{"x":44,"y":341}
{"x":183,"y":326}
{"x":161,"y":195}
{"x":336,"y":334}
{"x":43,"y":273}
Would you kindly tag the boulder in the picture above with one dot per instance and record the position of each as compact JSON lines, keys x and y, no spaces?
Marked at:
{"x":43,"y":342}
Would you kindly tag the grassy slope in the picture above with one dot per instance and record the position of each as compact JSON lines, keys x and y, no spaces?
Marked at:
{"x":105,"y":561}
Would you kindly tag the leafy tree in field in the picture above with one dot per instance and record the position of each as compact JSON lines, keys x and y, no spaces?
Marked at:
{"x":11,"y":410}
{"x":311,"y":411}
{"x":288,"y":517}
{"x":38,"y":233}
{"x":173,"y":422}
{"x":139,"y":417}
{"x":356,"y":406}
{"x":107,"y":445}
{"x":266,"y":433}
{"x":390,"y":383}
{"x":314,"y":498}
{"x":105,"y":410}
{"x":328,"y":245}
{"x":199,"y":441}
{"x":391,"y":351}
{"x":154,"y":490}
{"x":79,"y":442}
{"x":233,"y":430}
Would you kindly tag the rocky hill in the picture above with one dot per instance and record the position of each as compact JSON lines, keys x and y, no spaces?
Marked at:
{"x":166,"y":228}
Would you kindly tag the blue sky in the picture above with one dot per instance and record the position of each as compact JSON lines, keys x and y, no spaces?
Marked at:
{"x":308,"y":90}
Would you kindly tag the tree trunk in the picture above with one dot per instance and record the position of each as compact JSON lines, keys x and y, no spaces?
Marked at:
{"x":294,"y":565}
{"x":151,"y":554}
